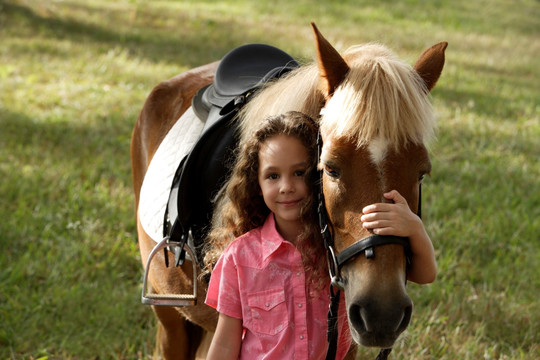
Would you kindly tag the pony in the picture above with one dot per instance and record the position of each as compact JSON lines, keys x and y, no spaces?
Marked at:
{"x":375,"y":120}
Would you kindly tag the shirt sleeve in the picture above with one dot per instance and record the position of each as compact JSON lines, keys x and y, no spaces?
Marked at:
{"x":223,"y":289}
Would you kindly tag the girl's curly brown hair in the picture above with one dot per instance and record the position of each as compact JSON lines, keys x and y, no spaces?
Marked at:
{"x":240,"y":207}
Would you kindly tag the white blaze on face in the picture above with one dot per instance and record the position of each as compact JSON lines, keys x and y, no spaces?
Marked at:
{"x":378,"y":148}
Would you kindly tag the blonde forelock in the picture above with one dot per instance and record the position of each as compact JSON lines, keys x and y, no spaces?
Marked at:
{"x":381,"y":97}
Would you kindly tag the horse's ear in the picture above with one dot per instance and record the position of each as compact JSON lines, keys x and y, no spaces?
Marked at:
{"x":332,"y":67}
{"x":430,"y":64}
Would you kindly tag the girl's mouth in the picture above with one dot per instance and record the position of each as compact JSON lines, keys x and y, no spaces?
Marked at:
{"x":289,"y":203}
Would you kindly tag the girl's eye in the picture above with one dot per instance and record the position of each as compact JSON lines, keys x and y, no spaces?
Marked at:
{"x":331,"y":172}
{"x":273,"y":176}
{"x":299,"y":173}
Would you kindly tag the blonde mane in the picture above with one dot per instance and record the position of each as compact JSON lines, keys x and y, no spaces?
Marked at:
{"x":381,"y":97}
{"x":296,"y":91}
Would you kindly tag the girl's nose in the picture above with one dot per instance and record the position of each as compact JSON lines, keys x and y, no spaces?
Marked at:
{"x":287,"y":185}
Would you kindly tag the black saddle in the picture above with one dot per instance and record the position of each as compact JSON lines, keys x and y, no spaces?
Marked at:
{"x":203,"y":171}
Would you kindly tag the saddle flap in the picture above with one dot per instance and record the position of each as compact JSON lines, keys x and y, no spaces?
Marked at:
{"x":203,"y":174}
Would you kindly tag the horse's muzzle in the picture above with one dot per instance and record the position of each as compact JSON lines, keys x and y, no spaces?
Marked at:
{"x":378,"y":324}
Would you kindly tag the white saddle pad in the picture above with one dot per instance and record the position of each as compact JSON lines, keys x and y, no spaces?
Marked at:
{"x":157,"y":182}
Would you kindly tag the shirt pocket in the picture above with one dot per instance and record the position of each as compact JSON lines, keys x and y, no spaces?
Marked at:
{"x":268,"y":309}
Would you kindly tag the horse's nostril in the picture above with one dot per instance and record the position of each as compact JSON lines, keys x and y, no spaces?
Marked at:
{"x":355,"y":314}
{"x":407,"y":313}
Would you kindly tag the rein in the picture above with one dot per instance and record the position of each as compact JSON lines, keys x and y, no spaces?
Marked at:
{"x":336,"y":261}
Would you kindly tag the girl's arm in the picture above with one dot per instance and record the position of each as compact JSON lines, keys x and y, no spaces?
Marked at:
{"x":227,"y":339}
{"x":398,"y":220}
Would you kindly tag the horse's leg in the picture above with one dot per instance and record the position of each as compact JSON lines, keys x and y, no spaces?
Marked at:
{"x":172,"y":338}
{"x":177,"y":338}
{"x":204,"y":346}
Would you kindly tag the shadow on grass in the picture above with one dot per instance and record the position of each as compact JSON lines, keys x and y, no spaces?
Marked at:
{"x":192,"y":40}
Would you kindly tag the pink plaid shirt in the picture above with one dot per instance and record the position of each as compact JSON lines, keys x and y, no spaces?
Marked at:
{"x":260,"y":279}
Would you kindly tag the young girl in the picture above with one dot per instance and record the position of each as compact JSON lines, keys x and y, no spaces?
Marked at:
{"x":270,"y":286}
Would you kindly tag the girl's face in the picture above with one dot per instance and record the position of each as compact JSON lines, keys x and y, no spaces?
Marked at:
{"x":283,"y":162}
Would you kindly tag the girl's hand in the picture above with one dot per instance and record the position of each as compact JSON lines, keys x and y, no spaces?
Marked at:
{"x":392,"y":219}
{"x":397,"y":219}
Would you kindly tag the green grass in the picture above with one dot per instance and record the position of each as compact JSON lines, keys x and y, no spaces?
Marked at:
{"x":74,"y":75}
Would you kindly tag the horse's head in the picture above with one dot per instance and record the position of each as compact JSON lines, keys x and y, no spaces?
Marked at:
{"x":376,"y":119}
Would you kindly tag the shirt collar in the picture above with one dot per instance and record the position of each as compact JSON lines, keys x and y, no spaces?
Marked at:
{"x":271,"y":240}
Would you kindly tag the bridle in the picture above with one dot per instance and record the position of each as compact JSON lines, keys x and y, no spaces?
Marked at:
{"x":366,"y":245}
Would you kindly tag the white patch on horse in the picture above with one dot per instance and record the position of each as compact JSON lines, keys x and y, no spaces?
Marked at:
{"x":159,"y":175}
{"x":378,"y":148}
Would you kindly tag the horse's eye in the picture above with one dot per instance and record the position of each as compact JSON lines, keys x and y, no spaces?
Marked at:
{"x":331,"y":172}
{"x":421,"y":178}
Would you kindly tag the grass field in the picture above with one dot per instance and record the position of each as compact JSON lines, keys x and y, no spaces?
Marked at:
{"x":75,"y":73}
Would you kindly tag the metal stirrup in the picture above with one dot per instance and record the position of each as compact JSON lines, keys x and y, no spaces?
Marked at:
{"x":169,"y":299}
